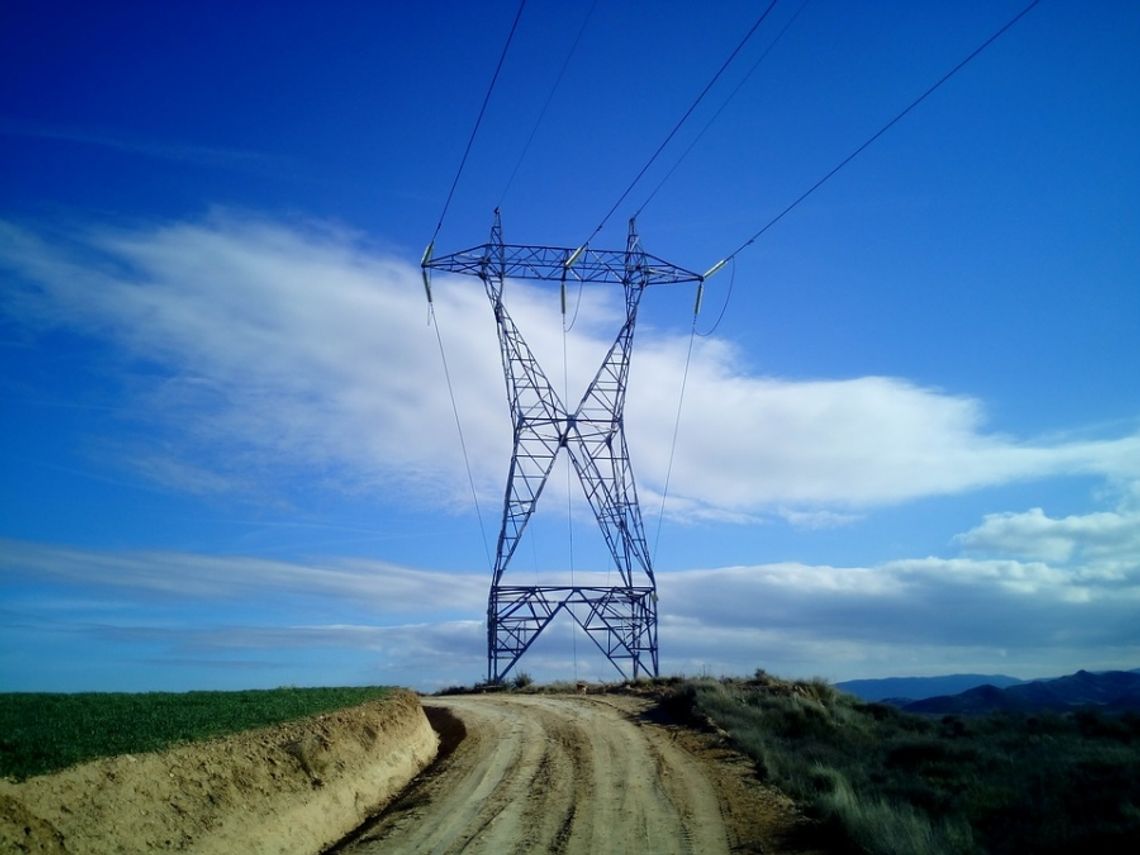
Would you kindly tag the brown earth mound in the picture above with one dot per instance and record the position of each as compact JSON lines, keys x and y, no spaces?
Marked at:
{"x":297,"y":787}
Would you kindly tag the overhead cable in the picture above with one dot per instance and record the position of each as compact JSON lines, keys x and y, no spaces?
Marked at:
{"x":673,"y":132}
{"x":676,"y":431}
{"x":722,"y":107}
{"x":549,"y":98}
{"x":462,"y":441}
{"x":427,"y":284}
{"x":474,"y":130}
{"x":962,"y":64}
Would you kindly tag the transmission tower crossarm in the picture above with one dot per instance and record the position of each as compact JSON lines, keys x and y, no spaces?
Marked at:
{"x":553,"y":263}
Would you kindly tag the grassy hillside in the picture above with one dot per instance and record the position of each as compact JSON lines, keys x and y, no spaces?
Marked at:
{"x":41,"y":732}
{"x":884,"y":781}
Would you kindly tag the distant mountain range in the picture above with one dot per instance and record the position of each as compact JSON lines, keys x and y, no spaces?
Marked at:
{"x":906,"y":689}
{"x":1114,"y":691}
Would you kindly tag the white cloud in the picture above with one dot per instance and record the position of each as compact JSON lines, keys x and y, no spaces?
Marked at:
{"x":177,"y":151}
{"x":382,"y":588}
{"x":286,"y":347}
{"x":1100,"y":546}
{"x":750,"y":442}
{"x":818,"y":518}
{"x":1024,"y":615}
{"x":1034,"y":596}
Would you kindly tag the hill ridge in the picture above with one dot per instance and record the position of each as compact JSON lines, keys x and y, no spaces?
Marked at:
{"x":906,"y":689}
{"x":1112,"y":691}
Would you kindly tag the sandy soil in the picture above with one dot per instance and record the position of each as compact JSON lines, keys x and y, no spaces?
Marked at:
{"x":296,"y":788}
{"x":578,"y":774}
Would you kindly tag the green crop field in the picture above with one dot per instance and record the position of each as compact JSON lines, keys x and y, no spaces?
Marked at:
{"x":42,"y":732}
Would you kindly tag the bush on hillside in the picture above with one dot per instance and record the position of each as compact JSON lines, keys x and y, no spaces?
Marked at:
{"x":883,"y":781}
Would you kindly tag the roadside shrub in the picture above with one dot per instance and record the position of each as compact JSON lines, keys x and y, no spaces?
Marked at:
{"x":927,"y":753}
{"x":883,"y":781}
{"x":1096,"y":724}
{"x":876,"y":825}
{"x":522,"y":680}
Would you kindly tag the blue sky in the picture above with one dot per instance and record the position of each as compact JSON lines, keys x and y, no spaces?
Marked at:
{"x":912,"y":446}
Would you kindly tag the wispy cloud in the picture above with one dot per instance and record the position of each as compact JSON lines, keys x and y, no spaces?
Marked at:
{"x":298,"y":348}
{"x":385,"y":589}
{"x":182,"y":152}
{"x":1001,"y":604}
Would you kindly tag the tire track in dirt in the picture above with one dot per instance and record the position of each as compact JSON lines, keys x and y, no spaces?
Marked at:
{"x":570,"y":774}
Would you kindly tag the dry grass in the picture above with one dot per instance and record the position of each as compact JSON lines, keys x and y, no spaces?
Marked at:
{"x":882,"y":781}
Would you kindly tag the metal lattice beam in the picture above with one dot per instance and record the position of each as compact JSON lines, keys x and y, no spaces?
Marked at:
{"x":553,"y":263}
{"x":621,"y":620}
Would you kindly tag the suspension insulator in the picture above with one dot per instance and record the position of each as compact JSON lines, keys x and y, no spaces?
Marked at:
{"x":574,"y":256}
{"x":424,"y":261}
{"x":715,"y":268}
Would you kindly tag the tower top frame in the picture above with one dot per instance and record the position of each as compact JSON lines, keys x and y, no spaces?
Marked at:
{"x":561,"y":264}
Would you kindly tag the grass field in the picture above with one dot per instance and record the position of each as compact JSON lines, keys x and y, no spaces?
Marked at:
{"x":884,"y":781}
{"x":46,"y":732}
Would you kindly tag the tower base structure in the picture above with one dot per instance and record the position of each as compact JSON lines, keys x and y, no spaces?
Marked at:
{"x":621,"y":621}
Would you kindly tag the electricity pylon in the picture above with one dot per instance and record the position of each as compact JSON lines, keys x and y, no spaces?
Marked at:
{"x":620,"y":619}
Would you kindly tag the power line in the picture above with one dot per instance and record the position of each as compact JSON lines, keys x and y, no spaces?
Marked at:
{"x":459,"y":428}
{"x":549,"y":98}
{"x":681,"y":121}
{"x":577,"y":306}
{"x":974,"y":53}
{"x":676,"y":431}
{"x":475,"y":130}
{"x":427,"y":255}
{"x":722,"y":107}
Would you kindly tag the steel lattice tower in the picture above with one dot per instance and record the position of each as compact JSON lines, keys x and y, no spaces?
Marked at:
{"x":621,"y":620}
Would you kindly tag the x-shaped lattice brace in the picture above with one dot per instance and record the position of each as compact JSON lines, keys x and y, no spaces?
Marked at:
{"x":594,"y":437}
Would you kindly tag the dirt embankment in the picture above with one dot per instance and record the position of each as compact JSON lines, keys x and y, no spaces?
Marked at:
{"x":298,"y":787}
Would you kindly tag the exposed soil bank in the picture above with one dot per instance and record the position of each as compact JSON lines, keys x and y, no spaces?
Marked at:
{"x":292,"y":788}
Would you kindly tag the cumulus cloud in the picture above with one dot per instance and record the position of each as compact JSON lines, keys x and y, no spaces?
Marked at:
{"x":1102,"y":540}
{"x":987,"y":602}
{"x":272,"y":348}
{"x":1032,"y":594}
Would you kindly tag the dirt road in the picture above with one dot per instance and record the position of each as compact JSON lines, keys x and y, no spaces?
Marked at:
{"x":576,"y":775}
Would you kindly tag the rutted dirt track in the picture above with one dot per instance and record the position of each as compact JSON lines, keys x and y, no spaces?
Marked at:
{"x":576,"y":774}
